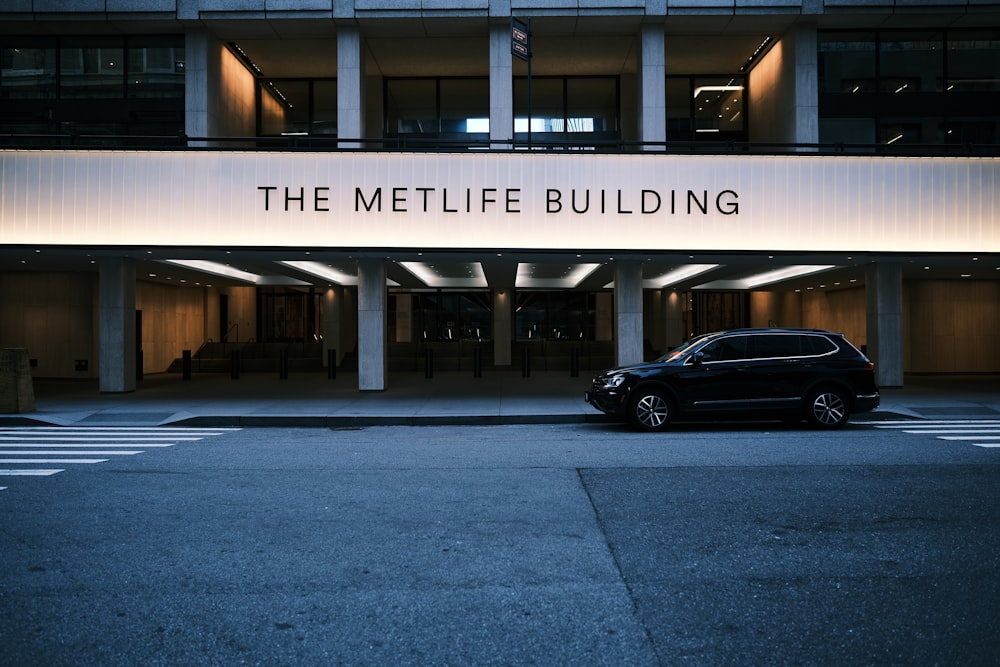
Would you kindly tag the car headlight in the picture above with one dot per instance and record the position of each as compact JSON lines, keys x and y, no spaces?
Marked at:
{"x":613,"y":382}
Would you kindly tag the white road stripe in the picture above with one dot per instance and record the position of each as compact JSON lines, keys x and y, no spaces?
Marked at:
{"x":39,"y":473}
{"x":969,"y":437}
{"x":950,"y":431}
{"x":144,"y":445}
{"x":985,"y":444}
{"x":931,"y":422}
{"x":158,"y":429}
{"x":51,"y":461}
{"x":56,"y":452}
{"x":7,"y":438}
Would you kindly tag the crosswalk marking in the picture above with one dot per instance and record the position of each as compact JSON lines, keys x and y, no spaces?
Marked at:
{"x":975,"y":432}
{"x":35,"y":446}
{"x":51,"y":461}
{"x":83,"y":452}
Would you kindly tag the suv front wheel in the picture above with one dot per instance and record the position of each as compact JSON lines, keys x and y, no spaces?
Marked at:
{"x":650,"y":410}
{"x":827,"y":408}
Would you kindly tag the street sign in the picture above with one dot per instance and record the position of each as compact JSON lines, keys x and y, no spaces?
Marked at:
{"x":520,"y":39}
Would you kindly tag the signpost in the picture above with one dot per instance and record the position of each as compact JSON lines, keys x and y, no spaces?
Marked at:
{"x":520,"y":47}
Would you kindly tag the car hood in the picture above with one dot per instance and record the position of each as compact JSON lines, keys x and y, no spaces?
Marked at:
{"x":632,"y":368}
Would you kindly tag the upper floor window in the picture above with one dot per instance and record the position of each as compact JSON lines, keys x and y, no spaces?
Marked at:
{"x":293,"y":107}
{"x":706,"y":108}
{"x":438,"y":108}
{"x":909,"y":87}
{"x":568,"y":110}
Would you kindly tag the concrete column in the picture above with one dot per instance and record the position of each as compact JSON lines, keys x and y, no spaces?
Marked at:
{"x":806,"y":84}
{"x":116,"y":324}
{"x":350,"y":85}
{"x":196,"y":84}
{"x":503,"y":325}
{"x":371,"y":325}
{"x":652,"y":86}
{"x":333,"y":299}
{"x":673,"y":319}
{"x":501,"y":86}
{"x":884,"y":296}
{"x":628,"y":312}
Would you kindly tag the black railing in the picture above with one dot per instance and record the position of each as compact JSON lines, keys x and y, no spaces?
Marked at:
{"x":437,"y":144}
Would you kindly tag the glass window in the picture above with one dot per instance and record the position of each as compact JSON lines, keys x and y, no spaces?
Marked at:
{"x":28,"y":70}
{"x":284,"y":107}
{"x":733,"y":348}
{"x":91,"y":69}
{"x":911,"y":62}
{"x":776,"y":346}
{"x":591,"y":105}
{"x":411,"y":106}
{"x":847,"y":62}
{"x":973,"y":62}
{"x":324,"y":107}
{"x":547,"y":105}
{"x":156,"y":69}
{"x":465,"y":106}
{"x":718,"y":106}
{"x":679,"y":108}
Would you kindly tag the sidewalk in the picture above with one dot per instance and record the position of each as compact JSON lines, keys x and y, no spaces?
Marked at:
{"x":499,"y":397}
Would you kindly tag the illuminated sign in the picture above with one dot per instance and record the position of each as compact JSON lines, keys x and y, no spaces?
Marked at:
{"x":802,"y":203}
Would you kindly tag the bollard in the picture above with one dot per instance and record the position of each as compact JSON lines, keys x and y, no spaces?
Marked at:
{"x":234,"y":371}
{"x":331,"y":364}
{"x":477,"y":362}
{"x":186,"y":365}
{"x":526,"y":364}
{"x":574,"y":363}
{"x":283,"y":364}
{"x":428,"y":363}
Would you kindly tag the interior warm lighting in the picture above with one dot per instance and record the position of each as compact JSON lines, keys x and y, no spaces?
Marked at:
{"x":768,"y":277}
{"x":217,"y":269}
{"x":714,"y":89}
{"x":323,"y":271}
{"x":556,"y":276}
{"x":677,"y":275}
{"x":448,"y":274}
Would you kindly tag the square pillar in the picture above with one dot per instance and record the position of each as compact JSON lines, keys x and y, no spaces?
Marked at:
{"x":333,"y":299}
{"x":501,"y":86}
{"x":350,"y":85}
{"x":372,"y":304}
{"x":503,"y":315}
{"x":884,"y":298}
{"x":628,"y":312}
{"x":116,"y":324}
{"x":652,"y":86}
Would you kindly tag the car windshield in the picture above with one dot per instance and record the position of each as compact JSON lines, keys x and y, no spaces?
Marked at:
{"x":677,"y":352}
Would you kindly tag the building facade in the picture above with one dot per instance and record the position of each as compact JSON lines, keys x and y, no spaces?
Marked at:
{"x":389,"y":185}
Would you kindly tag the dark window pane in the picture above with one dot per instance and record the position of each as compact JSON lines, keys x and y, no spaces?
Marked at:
{"x":911,"y":63}
{"x":156,"y":69}
{"x":28,"y":71}
{"x":411,"y":106}
{"x":92,"y":69}
{"x":465,"y":105}
{"x":846,"y":63}
{"x":974,"y":62}
{"x":324,"y":107}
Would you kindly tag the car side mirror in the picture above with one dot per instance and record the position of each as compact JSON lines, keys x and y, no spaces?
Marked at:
{"x":697,"y":358}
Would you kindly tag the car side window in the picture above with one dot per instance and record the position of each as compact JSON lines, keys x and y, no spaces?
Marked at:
{"x":732,"y":348}
{"x":776,"y":346}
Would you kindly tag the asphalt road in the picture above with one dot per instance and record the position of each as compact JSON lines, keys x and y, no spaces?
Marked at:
{"x":501,"y":545}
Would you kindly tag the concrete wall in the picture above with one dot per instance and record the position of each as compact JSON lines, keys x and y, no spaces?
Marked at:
{"x":951,"y":326}
{"x":53,"y":316}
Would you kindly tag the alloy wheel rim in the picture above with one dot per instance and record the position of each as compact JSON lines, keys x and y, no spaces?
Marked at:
{"x":829,"y":408}
{"x":652,"y":411}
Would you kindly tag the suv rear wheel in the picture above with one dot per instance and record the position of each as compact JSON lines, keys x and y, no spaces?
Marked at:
{"x":650,"y":410}
{"x":827,"y":408}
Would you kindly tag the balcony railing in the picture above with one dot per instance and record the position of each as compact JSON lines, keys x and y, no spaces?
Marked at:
{"x":423,"y":144}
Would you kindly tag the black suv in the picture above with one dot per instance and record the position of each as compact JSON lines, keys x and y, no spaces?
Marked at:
{"x":789,"y":374}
